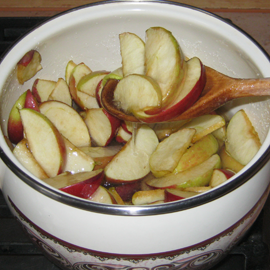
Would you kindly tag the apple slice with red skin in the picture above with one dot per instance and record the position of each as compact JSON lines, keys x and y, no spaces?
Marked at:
{"x":122,"y":135}
{"x":131,"y":163}
{"x":102,"y":126}
{"x":127,"y":126}
{"x":68,"y":121}
{"x":30,"y":101}
{"x":45,"y":141}
{"x":28,"y":66}
{"x":220,"y":176}
{"x":26,"y":158}
{"x":42,"y":89}
{"x":190,"y":91}
{"x":81,"y":184}
{"x":127,"y":190}
{"x":116,"y":196}
{"x":199,"y":175}
{"x":172,"y":195}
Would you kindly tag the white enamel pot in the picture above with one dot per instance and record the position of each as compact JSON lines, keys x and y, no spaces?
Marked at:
{"x":195,"y":233}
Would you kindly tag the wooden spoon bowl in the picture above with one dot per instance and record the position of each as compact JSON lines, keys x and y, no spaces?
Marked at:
{"x":219,"y":89}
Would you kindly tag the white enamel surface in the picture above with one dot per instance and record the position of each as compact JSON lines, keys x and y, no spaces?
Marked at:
{"x":90,"y":35}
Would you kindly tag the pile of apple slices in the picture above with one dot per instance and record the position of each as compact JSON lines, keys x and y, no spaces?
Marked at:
{"x":61,"y":133}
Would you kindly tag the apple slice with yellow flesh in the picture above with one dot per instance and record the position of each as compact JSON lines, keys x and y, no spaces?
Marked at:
{"x":69,"y":68}
{"x":85,"y":101}
{"x":81,"y":184}
{"x":122,"y":136}
{"x":199,"y":175}
{"x":28,"y":66}
{"x":220,"y":176}
{"x":116,"y":196}
{"x":198,"y":153}
{"x":136,"y":92}
{"x":102,"y":126}
{"x":67,"y":121}
{"x":174,"y":194}
{"x":184,"y":96}
{"x":132,"y":50}
{"x":131,"y":163}
{"x":242,"y":141}
{"x":205,"y":124}
{"x":229,"y":162}
{"x":61,"y":92}
{"x":148,"y":196}
{"x":26,"y":158}
{"x":164,"y":61}
{"x":45,"y":141}
{"x":42,"y":89}
{"x":102,"y":195}
{"x":168,"y":152}
{"x":77,"y":160}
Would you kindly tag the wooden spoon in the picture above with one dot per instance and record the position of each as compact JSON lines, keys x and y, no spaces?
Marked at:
{"x":219,"y":89}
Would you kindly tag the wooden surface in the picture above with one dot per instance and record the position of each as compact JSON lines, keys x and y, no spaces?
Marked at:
{"x":51,"y":7}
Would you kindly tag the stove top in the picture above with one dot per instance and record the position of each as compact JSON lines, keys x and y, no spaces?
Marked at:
{"x":17,"y":252}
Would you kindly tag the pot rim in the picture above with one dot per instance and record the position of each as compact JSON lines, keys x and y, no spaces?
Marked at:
{"x":125,"y":210}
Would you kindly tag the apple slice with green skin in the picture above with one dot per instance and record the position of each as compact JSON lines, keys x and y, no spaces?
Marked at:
{"x":198,"y":153}
{"x":220,"y":176}
{"x":26,"y":158}
{"x":69,"y":68}
{"x":68,"y":121}
{"x":242,"y":141}
{"x":229,"y":162}
{"x":102,"y":195}
{"x":130,"y":90}
{"x":88,"y":83}
{"x":15,"y":127}
{"x":45,"y":141}
{"x":61,"y":92}
{"x":28,"y":66}
{"x":205,"y":124}
{"x":116,"y":74}
{"x":172,"y":195}
{"x":168,"y":152}
{"x":164,"y":61}
{"x":199,"y":175}
{"x":77,"y":160}
{"x":102,"y":126}
{"x":164,"y":130}
{"x":122,"y":135}
{"x":220,"y":135}
{"x":132,"y":50}
{"x":132,"y":162}
{"x":42,"y":89}
{"x":184,"y":96}
{"x":82,"y":184}
{"x":148,"y":196}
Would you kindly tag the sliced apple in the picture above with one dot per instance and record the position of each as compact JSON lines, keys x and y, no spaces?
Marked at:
{"x":205,"y":124}
{"x":45,"y":141}
{"x":61,"y":92}
{"x":122,"y":135}
{"x":116,"y":196}
{"x":148,"y":196}
{"x":229,"y":162}
{"x":220,"y":176}
{"x":42,"y":89}
{"x":220,"y":135}
{"x":132,"y":50}
{"x":174,"y":194}
{"x":127,"y":126}
{"x":88,"y":83}
{"x":132,"y":162}
{"x":108,"y":151}
{"x":28,"y":66}
{"x":184,"y":96}
{"x":30,"y":101}
{"x":198,"y":189}
{"x":69,"y":68}
{"x":199,"y":175}
{"x":102,"y":126}
{"x":77,"y":160}
{"x":127,"y":190}
{"x":164,"y":60}
{"x":15,"y":127}
{"x":67,"y":121}
{"x":243,"y":141}
{"x":82,"y":184}
{"x":26,"y":158}
{"x":136,"y":92}
{"x":168,"y":152}
{"x":85,"y":101}
{"x":198,"y":153}
{"x":102,"y":195}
